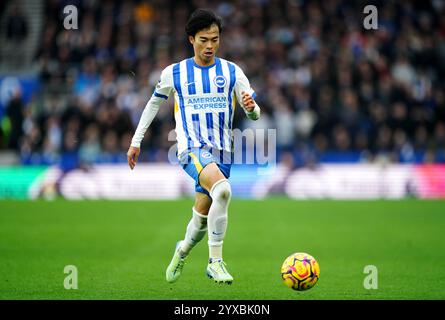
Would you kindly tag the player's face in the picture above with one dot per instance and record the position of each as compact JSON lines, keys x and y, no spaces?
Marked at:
{"x":206,"y":44}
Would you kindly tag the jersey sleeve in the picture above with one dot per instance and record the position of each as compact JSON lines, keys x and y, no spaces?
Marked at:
{"x":165,"y":84}
{"x":242,"y":84}
{"x":160,"y":94}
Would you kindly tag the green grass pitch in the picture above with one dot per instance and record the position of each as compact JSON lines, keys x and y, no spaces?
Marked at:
{"x":121,"y":249}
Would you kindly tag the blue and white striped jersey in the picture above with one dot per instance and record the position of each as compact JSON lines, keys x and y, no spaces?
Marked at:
{"x":205,"y":99}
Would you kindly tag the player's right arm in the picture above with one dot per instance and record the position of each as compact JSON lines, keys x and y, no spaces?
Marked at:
{"x":160,"y":94}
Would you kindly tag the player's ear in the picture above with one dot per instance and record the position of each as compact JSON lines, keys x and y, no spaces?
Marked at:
{"x":192,"y":39}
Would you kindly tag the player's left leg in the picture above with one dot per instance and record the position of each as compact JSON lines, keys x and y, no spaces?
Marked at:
{"x":213,"y":180}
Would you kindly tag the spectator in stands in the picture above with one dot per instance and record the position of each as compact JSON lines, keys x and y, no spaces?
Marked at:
{"x":16,"y":34}
{"x":16,"y":25}
{"x":15,"y":112}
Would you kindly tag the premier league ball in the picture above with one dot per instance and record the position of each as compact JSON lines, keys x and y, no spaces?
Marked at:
{"x":300,"y":271}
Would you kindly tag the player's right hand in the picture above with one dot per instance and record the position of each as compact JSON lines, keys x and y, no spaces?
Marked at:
{"x":132,"y":156}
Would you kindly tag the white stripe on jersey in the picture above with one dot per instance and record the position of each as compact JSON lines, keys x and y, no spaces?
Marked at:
{"x":181,"y":135}
{"x":226,"y":71}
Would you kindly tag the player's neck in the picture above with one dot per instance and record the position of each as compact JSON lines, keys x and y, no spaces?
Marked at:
{"x":203,"y":63}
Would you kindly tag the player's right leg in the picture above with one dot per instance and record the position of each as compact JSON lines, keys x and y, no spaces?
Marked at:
{"x":196,"y":230}
{"x":197,"y":227}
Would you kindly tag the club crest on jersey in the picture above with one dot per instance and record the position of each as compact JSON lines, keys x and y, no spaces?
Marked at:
{"x":220,"y":81}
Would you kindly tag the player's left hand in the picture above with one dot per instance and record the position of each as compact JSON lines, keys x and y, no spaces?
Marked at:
{"x":248,"y":102}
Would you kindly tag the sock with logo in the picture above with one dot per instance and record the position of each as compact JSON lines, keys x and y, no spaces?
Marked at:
{"x":217,"y":218}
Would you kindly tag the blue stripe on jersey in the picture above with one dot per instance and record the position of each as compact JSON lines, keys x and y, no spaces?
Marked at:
{"x":160,"y":95}
{"x":197,"y":127}
{"x":177,"y":84}
{"x":219,"y":72}
{"x":190,"y":77}
{"x":221,"y":136}
{"x":209,"y":121}
{"x":205,"y":80}
{"x":221,"y":128}
{"x":232,"y":84}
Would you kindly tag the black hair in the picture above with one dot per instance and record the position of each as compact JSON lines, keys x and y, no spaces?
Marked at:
{"x":202,"y":19}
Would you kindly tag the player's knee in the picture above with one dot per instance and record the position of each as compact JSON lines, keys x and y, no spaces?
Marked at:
{"x":199,"y":219}
{"x":221,"y":190}
{"x":226,"y":193}
{"x":202,"y":209}
{"x":202,"y":205}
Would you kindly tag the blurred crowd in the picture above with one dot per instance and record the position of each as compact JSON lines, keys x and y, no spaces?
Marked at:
{"x":333,"y":90}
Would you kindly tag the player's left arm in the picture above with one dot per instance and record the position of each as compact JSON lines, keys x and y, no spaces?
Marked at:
{"x":246,"y":95}
{"x":250,"y":106}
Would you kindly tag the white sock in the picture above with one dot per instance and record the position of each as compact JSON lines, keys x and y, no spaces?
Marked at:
{"x":217,"y":218}
{"x":196,"y":230}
